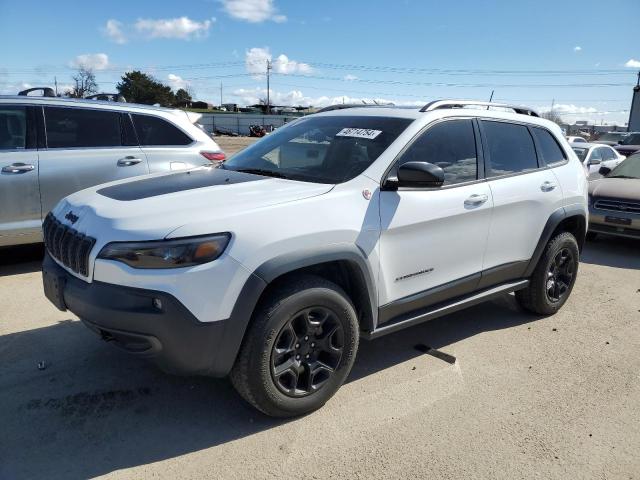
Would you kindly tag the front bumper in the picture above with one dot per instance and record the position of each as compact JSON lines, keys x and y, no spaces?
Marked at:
{"x":617,"y":223}
{"x":146,"y":323}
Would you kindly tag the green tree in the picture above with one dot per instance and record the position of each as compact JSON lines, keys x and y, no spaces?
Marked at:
{"x":85,"y":84}
{"x":138,"y":87}
{"x":183,"y":98}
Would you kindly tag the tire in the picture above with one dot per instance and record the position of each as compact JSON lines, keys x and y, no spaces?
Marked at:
{"x":591,"y":236}
{"x":306,"y":325}
{"x":548,"y":291}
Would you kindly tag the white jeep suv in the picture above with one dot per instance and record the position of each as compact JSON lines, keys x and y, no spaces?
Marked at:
{"x":348,"y":224}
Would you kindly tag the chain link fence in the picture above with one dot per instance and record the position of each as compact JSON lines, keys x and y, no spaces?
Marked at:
{"x":239,"y":123}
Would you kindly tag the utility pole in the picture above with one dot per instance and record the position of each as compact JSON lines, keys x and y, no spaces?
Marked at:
{"x":269,"y":67}
{"x":220,"y":93}
{"x":55,"y":82}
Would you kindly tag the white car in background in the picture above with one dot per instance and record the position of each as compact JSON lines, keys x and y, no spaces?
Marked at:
{"x":51,"y":147}
{"x":576,"y":140}
{"x":595,"y":155}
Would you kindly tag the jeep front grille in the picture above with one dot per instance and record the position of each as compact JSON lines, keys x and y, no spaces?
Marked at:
{"x":67,"y":245}
{"x":618,"y":205}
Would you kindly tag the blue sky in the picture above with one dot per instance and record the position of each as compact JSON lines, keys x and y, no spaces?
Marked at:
{"x":584,"y":56}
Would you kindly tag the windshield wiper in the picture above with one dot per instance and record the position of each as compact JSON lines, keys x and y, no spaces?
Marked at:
{"x":261,"y":171}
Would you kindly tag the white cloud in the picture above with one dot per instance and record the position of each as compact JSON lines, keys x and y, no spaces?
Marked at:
{"x":253,"y":11}
{"x":256,"y":63}
{"x":566,"y":108}
{"x":350,"y":78}
{"x":577,"y":48}
{"x":176,"y":82}
{"x":182,"y":28}
{"x":632,"y":63}
{"x":113,"y":30}
{"x":92,"y":61}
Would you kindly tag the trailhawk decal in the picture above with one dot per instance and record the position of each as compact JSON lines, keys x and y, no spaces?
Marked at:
{"x":359,"y":133}
{"x":176,"y":182}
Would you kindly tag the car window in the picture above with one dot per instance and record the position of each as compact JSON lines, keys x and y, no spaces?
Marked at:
{"x":79,"y":127}
{"x":631,"y":139}
{"x":13,"y":127}
{"x":511,"y":148}
{"x":156,"y":131}
{"x":320,"y":149}
{"x":452,"y":146}
{"x":607,"y":154}
{"x":596,"y":154}
{"x":549,"y":148}
{"x":581,"y":153}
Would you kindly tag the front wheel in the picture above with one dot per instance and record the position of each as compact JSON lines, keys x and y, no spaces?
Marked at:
{"x":299,"y":348}
{"x":553,"y":278}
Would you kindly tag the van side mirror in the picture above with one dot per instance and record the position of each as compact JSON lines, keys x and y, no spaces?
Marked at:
{"x":420,"y":175}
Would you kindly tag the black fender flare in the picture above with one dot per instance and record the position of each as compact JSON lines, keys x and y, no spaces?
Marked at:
{"x":259,"y":280}
{"x":555,"y":219}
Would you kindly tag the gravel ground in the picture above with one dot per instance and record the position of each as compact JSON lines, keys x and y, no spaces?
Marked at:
{"x":233,"y":144}
{"x":528,"y":397}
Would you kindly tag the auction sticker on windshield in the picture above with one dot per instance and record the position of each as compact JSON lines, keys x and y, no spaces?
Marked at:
{"x":359,"y":133}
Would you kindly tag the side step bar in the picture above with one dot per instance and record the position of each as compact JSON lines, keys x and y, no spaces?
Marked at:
{"x":445,"y":308}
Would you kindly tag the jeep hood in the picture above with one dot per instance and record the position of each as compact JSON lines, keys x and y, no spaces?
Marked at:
{"x":621,"y":188}
{"x":153,"y":206}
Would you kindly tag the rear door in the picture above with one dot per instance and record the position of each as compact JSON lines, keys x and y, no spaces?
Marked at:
{"x":86,"y":147}
{"x":610,"y":157}
{"x":525,"y":194}
{"x":165,"y":144}
{"x":19,"y":194}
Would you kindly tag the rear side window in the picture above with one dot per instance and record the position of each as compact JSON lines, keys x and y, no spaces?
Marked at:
{"x":607,"y":154}
{"x":78,"y":127}
{"x":155,"y":131}
{"x":452,"y":146}
{"x":511,"y":148}
{"x":549,"y":148}
{"x":13,"y":127}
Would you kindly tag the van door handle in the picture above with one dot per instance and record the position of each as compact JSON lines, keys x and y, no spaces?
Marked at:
{"x":18,"y":168}
{"x":548,"y":186}
{"x":475,"y":200}
{"x":128,"y":161}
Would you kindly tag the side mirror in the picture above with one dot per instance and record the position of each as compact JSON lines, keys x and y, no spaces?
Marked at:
{"x":604,"y":171}
{"x":420,"y":175}
{"x":595,"y":162}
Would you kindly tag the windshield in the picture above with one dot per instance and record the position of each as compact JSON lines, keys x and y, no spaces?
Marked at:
{"x":631,"y":139}
{"x":320,"y":149}
{"x":629,"y":168}
{"x":581,"y":153}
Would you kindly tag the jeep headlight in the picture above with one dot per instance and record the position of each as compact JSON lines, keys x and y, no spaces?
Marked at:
{"x":173,"y":253}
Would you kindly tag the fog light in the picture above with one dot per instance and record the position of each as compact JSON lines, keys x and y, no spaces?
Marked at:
{"x":157,"y":303}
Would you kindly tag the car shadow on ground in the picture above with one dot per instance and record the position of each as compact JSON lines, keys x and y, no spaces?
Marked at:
{"x":94,"y":409}
{"x":22,"y":259}
{"x":610,"y":251}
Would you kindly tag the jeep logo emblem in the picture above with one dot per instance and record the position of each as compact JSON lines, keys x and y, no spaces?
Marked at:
{"x":73,"y":218}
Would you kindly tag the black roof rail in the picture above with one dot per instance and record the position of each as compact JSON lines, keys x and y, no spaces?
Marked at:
{"x":440,"y":104}
{"x":107,"y":97}
{"x":46,"y":91}
{"x":342,"y":106}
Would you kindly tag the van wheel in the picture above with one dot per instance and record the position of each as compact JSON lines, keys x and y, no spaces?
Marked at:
{"x":553,"y":278}
{"x":299,"y":348}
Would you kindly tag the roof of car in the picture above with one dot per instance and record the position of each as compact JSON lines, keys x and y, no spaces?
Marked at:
{"x":587,"y":145}
{"x":78,"y":101}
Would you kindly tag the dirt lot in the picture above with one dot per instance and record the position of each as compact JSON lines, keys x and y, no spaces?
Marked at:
{"x":232,"y":144}
{"x":528,"y":397}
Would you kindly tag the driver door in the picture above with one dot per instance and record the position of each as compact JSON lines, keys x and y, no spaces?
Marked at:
{"x":433,"y":239}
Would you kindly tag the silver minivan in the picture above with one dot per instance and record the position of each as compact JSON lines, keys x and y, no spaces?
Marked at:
{"x":51,"y":147}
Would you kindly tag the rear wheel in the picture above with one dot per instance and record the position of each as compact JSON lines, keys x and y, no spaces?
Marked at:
{"x":299,"y":348}
{"x":553,"y":278}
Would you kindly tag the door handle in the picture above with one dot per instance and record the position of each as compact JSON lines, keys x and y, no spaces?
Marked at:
{"x":18,"y":168}
{"x":475,"y":200}
{"x":128,"y":161}
{"x":548,"y":186}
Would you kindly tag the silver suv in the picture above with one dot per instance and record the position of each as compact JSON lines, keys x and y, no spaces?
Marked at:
{"x":52,"y":147}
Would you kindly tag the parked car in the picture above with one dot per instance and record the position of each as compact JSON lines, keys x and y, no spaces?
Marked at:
{"x":614,"y":201}
{"x":339,"y":226}
{"x":574,"y":139}
{"x":51,"y":147}
{"x":594,"y":155}
{"x":629,"y":144}
{"x":611,"y":138}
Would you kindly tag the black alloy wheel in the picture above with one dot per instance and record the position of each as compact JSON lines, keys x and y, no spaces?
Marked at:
{"x":560,"y":275}
{"x":307,"y":351}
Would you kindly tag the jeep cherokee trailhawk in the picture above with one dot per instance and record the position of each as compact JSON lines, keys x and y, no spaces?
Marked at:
{"x":351,"y":223}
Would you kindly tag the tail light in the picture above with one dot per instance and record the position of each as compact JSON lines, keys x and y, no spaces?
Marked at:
{"x":214,"y":156}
